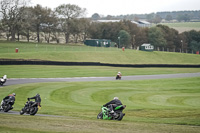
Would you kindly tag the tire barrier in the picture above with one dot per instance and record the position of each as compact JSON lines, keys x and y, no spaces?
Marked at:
{"x":33,"y":62}
{"x":27,"y":62}
{"x":153,"y":65}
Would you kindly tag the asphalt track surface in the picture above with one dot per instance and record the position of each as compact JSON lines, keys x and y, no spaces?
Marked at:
{"x":14,"y":81}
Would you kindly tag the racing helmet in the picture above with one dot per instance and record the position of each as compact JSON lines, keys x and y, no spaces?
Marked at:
{"x":14,"y":94}
{"x":116,"y":98}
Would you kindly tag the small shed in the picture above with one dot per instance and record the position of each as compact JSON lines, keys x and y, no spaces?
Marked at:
{"x":97,"y":42}
{"x":147,"y":47}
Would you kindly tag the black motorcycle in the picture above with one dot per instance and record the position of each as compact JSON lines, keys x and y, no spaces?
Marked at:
{"x":118,"y":77}
{"x":29,"y":108}
{"x":7,"y":105}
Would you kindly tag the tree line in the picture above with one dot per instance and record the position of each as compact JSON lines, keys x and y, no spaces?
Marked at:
{"x":129,"y":35}
{"x":21,"y":21}
{"x":179,"y":16}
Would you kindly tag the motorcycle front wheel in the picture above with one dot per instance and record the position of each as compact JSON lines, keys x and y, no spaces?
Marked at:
{"x":21,"y":112}
{"x":100,"y":115}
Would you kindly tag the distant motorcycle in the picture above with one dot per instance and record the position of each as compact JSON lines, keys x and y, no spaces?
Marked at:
{"x":105,"y":113}
{"x":7,"y":105}
{"x":3,"y":80}
{"x":29,"y":108}
{"x":118,"y":77}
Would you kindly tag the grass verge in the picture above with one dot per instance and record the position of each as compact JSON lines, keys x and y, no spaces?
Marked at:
{"x":42,"y":71}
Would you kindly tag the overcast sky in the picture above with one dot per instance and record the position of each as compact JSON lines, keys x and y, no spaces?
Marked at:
{"x":124,"y":7}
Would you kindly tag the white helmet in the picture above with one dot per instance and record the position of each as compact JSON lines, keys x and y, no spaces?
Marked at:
{"x":116,"y":98}
{"x":5,"y":77}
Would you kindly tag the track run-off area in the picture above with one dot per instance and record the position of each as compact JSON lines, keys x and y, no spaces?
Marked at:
{"x":155,"y":103}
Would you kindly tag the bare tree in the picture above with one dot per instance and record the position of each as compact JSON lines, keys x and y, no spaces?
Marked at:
{"x":79,"y":28}
{"x":11,"y":15}
{"x":49,"y":24}
{"x":26,"y":22}
{"x":66,"y":12}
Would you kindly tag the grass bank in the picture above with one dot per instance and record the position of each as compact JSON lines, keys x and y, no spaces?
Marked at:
{"x":68,"y":53}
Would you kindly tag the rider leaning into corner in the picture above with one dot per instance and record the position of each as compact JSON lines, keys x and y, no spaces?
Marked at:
{"x":9,"y":97}
{"x":113,"y":104}
{"x":37,"y":99}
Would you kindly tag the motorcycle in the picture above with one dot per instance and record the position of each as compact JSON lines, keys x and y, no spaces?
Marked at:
{"x":30,"y":108}
{"x":106,"y":114}
{"x":118,"y":77}
{"x":3,"y":80}
{"x":7,"y":105}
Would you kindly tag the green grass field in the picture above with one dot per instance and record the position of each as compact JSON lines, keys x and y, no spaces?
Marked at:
{"x":153,"y":106}
{"x":149,"y":102}
{"x":184,"y":26}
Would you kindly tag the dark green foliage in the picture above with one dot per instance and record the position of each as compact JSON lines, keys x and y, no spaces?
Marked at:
{"x":171,"y":36}
{"x":156,"y":37}
{"x":195,"y":46}
{"x":124,"y":38}
{"x":193,"y":39}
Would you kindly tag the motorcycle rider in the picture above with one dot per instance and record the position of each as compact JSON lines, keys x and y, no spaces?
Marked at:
{"x":37,"y":99}
{"x":119,"y":73}
{"x":9,"y":97}
{"x":113,"y":104}
{"x":3,"y":79}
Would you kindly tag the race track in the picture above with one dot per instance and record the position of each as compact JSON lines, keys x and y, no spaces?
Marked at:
{"x":14,"y":81}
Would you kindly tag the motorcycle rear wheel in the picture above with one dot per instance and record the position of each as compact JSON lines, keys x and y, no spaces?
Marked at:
{"x":119,"y":116}
{"x":7,"y":108}
{"x":34,"y":111}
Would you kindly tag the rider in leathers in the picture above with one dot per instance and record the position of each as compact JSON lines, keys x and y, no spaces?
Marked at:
{"x":9,"y":97}
{"x":37,"y":99}
{"x":113,"y":104}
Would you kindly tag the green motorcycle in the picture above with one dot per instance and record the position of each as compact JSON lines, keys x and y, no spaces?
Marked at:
{"x":106,"y":114}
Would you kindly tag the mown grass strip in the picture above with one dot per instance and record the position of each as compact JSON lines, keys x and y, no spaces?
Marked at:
{"x":154,"y":101}
{"x":42,"y":71}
